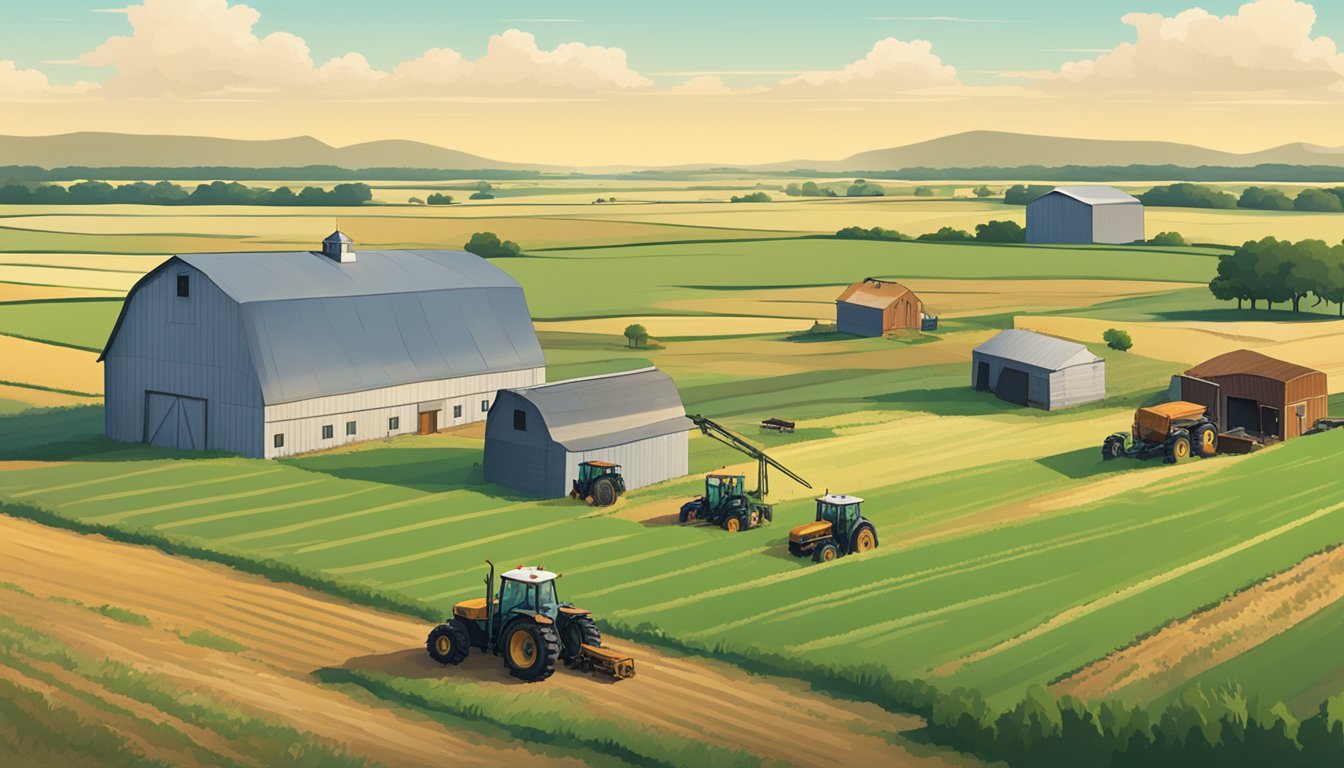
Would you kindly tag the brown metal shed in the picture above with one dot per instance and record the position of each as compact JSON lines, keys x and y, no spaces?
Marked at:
{"x":874,"y":307}
{"x":1266,"y":396}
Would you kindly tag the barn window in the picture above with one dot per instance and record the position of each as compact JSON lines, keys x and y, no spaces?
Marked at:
{"x":328,"y":432}
{"x":485,"y":406}
{"x":520,"y":420}
{"x":184,"y":286}
{"x":349,"y":427}
{"x":279,"y":441}
{"x":393,"y":424}
{"x":457,"y":411}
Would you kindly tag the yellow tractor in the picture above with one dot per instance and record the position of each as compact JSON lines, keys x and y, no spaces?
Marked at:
{"x":1175,"y":430}
{"x":529,"y":627}
{"x":840,"y":529}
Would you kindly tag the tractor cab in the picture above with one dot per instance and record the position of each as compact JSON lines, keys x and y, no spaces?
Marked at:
{"x":720,"y":488}
{"x":527,"y":591}
{"x":591,"y":470}
{"x":839,"y":529}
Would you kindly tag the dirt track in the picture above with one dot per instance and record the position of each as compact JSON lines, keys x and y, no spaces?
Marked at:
{"x":289,"y":632}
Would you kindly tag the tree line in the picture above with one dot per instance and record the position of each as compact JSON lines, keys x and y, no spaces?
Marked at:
{"x":1327,"y":200}
{"x":167,"y":193}
{"x":1280,"y":271}
{"x":989,"y":232}
{"x":210,"y":172}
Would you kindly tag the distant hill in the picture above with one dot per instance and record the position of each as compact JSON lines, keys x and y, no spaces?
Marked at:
{"x":104,"y":150}
{"x":1009,"y":150}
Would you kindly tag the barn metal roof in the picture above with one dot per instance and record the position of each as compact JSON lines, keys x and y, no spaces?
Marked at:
{"x":1247,"y":362}
{"x":603,"y":411}
{"x":878,"y":294}
{"x":1037,"y":350}
{"x":1094,"y":194}
{"x":316,"y":327}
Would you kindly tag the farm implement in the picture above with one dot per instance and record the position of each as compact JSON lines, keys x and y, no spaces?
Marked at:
{"x":726,"y":501}
{"x":840,"y":529}
{"x":529,"y":627}
{"x":1175,"y":431}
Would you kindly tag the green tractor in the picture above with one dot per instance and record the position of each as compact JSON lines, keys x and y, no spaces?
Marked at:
{"x":599,"y":483}
{"x":840,"y":529}
{"x":727,"y":503}
{"x":529,"y":627}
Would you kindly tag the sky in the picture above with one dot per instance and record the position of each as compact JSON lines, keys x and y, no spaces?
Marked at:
{"x":735,"y":81}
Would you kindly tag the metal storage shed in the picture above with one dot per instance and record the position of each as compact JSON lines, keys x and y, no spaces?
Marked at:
{"x":874,"y":307}
{"x":1258,"y":393}
{"x":269,"y":354}
{"x":1029,"y":368}
{"x":536,"y":437}
{"x":1085,"y":214}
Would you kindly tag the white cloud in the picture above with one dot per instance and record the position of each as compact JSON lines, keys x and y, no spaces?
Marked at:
{"x":891,"y":67}
{"x":710,"y":85}
{"x":17,"y":83}
{"x":1266,"y":46}
{"x":208,"y":48}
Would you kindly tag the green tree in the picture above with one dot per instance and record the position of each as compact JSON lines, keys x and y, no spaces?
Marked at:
{"x":1264,"y":199}
{"x":1311,"y":200}
{"x":948,"y":235}
{"x":481,"y":196}
{"x":873,"y":233}
{"x":1117,"y":339}
{"x":1185,"y":195}
{"x":983,"y":191}
{"x":924,"y":192}
{"x":438,"y":198}
{"x":487,"y":245}
{"x":863,"y":188}
{"x":1167,"y":238}
{"x":1021,"y":194}
{"x":636,"y":334}
{"x":1000,"y":232}
{"x":750,"y":197}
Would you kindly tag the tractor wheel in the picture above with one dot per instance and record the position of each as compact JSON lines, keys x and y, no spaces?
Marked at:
{"x":448,"y":643}
{"x":577,"y":632}
{"x":753,"y":518}
{"x":604,"y":492}
{"x":825,"y":553}
{"x":530,"y":650}
{"x":1204,"y":440}
{"x":732,"y":524}
{"x":865,"y":540}
{"x":1113,"y":448}
{"x":1177,"y":446}
{"x":689,"y":512}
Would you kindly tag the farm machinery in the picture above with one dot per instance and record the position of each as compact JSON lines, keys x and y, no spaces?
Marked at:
{"x":726,"y":501}
{"x":1175,"y":430}
{"x":840,"y":529}
{"x":529,"y":627}
{"x":599,"y":483}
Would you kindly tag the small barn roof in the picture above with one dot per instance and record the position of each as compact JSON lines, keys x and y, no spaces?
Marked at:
{"x":1247,"y":362}
{"x":1037,"y":350}
{"x":602,"y":411}
{"x":874,"y":292}
{"x":338,"y":237}
{"x":1095,"y":194}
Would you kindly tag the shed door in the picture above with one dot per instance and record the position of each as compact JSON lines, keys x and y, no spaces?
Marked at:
{"x":429,"y":422}
{"x":1203,"y":393}
{"x":1243,"y":412}
{"x":1014,"y":386}
{"x":982,"y":376}
{"x":1269,"y":421}
{"x":174,"y":421}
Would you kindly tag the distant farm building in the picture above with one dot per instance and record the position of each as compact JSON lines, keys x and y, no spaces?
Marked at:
{"x":876,"y":307}
{"x":1084,"y":215}
{"x":1042,"y":371}
{"x":536,"y":437}
{"x":1255,"y":392}
{"x":270,"y":354}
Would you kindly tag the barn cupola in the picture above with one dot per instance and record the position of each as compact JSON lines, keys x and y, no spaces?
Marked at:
{"x":339,"y":247}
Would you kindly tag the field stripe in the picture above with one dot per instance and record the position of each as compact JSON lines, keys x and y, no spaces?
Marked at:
{"x":673,"y":574}
{"x":157,"y":488}
{"x":412,"y":527}
{"x":262,"y":510}
{"x":97,"y":480}
{"x":118,"y":517}
{"x":532,"y":558}
{"x":442,"y":550}
{"x":287,"y":529}
{"x":1077,"y":612}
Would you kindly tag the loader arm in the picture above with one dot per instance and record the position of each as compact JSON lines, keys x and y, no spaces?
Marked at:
{"x":735,"y":441}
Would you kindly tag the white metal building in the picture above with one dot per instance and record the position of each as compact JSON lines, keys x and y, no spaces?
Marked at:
{"x":1029,"y":368}
{"x":536,"y":437}
{"x":1085,"y":214}
{"x":271,"y":354}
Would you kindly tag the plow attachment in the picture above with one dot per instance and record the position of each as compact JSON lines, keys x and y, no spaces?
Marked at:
{"x":604,"y":661}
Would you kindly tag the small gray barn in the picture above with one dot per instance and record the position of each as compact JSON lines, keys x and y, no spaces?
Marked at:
{"x":1083,"y":215}
{"x":1029,"y":368}
{"x":536,"y":437}
{"x":270,"y":354}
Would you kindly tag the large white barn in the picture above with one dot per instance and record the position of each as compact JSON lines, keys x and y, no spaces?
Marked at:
{"x":1085,"y":214}
{"x":271,"y":354}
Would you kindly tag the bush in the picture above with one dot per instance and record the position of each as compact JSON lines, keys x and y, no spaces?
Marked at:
{"x":487,"y":245}
{"x":924,"y":192}
{"x":862,"y":188}
{"x":1187,"y":196}
{"x":1317,"y":200}
{"x":874,"y":233}
{"x":983,"y":191}
{"x":1167,"y":238}
{"x":1117,"y":339}
{"x":1263,"y":199}
{"x":439,"y":198}
{"x":1000,"y":232}
{"x":948,"y":235}
{"x":808,"y":189}
{"x":481,"y":196}
{"x":636,"y":334}
{"x":1021,"y":194}
{"x":751,"y":197}
{"x":415,"y":201}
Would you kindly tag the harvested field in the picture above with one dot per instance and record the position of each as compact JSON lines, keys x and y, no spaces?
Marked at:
{"x":43,"y":365}
{"x":665,"y":326}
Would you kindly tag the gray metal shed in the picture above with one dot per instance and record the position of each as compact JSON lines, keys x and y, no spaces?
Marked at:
{"x":536,"y":437}
{"x":1085,"y":214}
{"x":270,"y":354}
{"x":1032,"y":369}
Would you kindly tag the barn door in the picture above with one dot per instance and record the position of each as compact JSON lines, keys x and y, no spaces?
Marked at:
{"x":1242,"y":412}
{"x":982,"y":376}
{"x":1014,"y":386}
{"x":174,"y":421}
{"x":1269,"y":421}
{"x":1203,"y":393}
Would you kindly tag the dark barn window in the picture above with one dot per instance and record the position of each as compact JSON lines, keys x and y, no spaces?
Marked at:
{"x":520,"y":420}
{"x":184,"y":286}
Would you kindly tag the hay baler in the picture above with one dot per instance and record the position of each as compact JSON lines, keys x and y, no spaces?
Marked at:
{"x":1174,"y":430}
